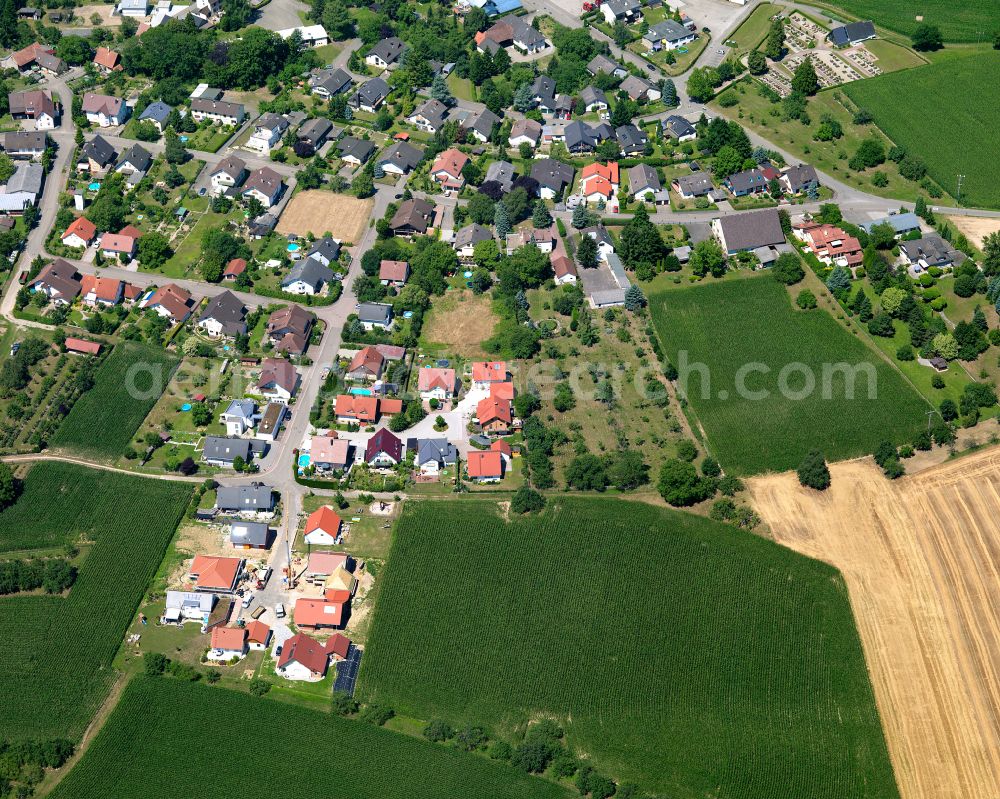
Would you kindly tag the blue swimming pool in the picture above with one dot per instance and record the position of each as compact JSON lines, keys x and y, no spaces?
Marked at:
{"x":293,"y":247}
{"x":361,"y":392}
{"x":186,"y":406}
{"x":304,"y":460}
{"x":94,"y":186}
{"x":183,"y":139}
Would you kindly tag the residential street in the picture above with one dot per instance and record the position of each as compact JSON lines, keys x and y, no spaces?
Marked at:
{"x":277,"y":468}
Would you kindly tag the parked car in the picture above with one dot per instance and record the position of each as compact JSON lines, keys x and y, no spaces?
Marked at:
{"x":267,"y":575}
{"x":247,"y":600}
{"x":279,"y":611}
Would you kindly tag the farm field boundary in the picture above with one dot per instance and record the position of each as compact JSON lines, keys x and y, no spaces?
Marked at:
{"x":162,"y":741}
{"x":678,"y":653}
{"x":750,"y":328}
{"x":56,"y":667}
{"x":921,"y":558}
{"x":965,"y":93}
{"x":104,"y":419}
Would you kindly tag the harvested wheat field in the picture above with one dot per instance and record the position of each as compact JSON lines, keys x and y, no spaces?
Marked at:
{"x":320,"y":212}
{"x":975,"y":228}
{"x":921,"y":558}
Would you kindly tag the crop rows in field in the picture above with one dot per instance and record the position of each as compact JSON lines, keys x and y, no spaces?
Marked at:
{"x":127,"y":386}
{"x":965,"y":95}
{"x":964,"y":21}
{"x":771,"y":423}
{"x":684,"y":655}
{"x":162,"y":741}
{"x":55,"y":663}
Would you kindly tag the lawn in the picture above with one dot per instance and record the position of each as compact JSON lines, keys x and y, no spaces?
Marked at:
{"x":56,"y":669}
{"x":163,"y":741}
{"x":753,"y":30}
{"x":458,"y":324}
{"x":759,"y":114}
{"x":773,"y":421}
{"x":965,"y":94}
{"x":892,"y":57}
{"x":958,"y":22}
{"x":682,"y":654}
{"x":461,"y":88}
{"x":126,"y":386}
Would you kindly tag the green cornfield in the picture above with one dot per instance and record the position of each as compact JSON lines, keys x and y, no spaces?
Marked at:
{"x":126,"y":387}
{"x":688,"y":656}
{"x":968,"y":21}
{"x":55,"y":664}
{"x":759,"y":353}
{"x":169,"y":738}
{"x":965,"y":96}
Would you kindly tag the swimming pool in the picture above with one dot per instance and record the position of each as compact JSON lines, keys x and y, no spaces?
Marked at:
{"x":361,"y":392}
{"x":94,"y":186}
{"x":293,"y":247}
{"x":186,"y":406}
{"x":183,"y":139}
{"x":466,"y":273}
{"x":304,"y":460}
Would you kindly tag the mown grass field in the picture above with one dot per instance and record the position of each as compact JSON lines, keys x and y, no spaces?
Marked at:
{"x":965,"y":96}
{"x":752,"y":325}
{"x":57,"y":652}
{"x":163,"y":741}
{"x":964,"y":21}
{"x":692,"y":658}
{"x":126,"y":386}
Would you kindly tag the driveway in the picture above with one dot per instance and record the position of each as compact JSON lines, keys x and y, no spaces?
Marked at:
{"x":281,"y":14}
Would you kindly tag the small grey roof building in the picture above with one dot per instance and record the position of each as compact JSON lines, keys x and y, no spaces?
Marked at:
{"x":852,"y":33}
{"x":501,"y":172}
{"x":309,"y":272}
{"x":227,"y":313}
{"x":750,"y":231}
{"x":352,"y":149}
{"x":158,"y":113}
{"x":375,"y":313}
{"x":249,"y":535}
{"x":253,"y":498}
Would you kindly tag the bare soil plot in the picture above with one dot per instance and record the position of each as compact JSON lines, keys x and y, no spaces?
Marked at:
{"x":319,"y":212}
{"x":84,"y":13}
{"x":921,"y":558}
{"x":461,"y":321}
{"x":975,"y":228}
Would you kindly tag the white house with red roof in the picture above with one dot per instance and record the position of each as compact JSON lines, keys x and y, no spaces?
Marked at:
{"x":258,"y":635}
{"x":96,"y":290}
{"x":438,"y":383}
{"x":393,"y":273}
{"x":80,"y":233}
{"x":227,"y":643}
{"x":600,"y":182}
{"x":485,"y":466}
{"x":304,"y":658}
{"x":322,"y":527}
{"x":319,"y":614}
{"x":485,"y":373}
{"x":447,"y":169}
{"x":218,"y":575}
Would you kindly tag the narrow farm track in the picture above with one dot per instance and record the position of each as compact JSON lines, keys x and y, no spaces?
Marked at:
{"x":41,"y":456}
{"x":921,"y":558}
